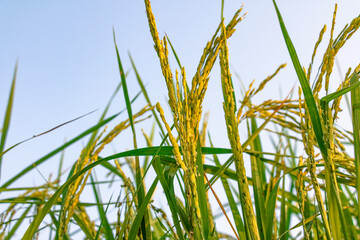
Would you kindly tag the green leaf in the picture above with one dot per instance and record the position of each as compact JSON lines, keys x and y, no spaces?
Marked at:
{"x":18,"y":223}
{"x":145,"y":225}
{"x":143,"y":90}
{"x":355,"y":100}
{"x":57,"y":150}
{"x":270,"y":211}
{"x":309,"y":98}
{"x":169,"y":194}
{"x":354,"y":85}
{"x":248,"y":141}
{"x":83,"y":226}
{"x":56,"y":223}
{"x":257,"y":172}
{"x":7,"y":118}
{"x":307,"y":220}
{"x":332,"y":193}
{"x":202,"y":192}
{"x":142,"y":210}
{"x":283,"y":218}
{"x":233,"y":206}
{"x":136,"y":152}
{"x":174,"y":52}
{"x":102,"y":213}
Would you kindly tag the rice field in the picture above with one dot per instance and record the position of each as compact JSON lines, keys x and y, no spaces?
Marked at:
{"x":305,"y":187}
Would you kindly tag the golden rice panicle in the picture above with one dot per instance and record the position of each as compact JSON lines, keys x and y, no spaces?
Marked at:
{"x":85,"y":219}
{"x":119,"y":128}
{"x":127,"y":180}
{"x":88,"y":156}
{"x":346,"y":33}
{"x":266,"y":80}
{"x":188,"y":133}
{"x":333,"y":48}
{"x":308,"y":142}
{"x":153,"y":29}
{"x":72,"y":195}
{"x":187,"y":110}
{"x":336,"y":104}
{"x":207,"y":60}
{"x":176,"y":150}
{"x":178,"y":97}
{"x":10,"y":215}
{"x":169,"y":78}
{"x":234,"y":138}
{"x":203,"y":129}
{"x":81,"y":181}
{"x":147,"y":138}
{"x":328,"y":61}
{"x":162,"y":52}
{"x":301,"y":195}
{"x":7,"y":216}
{"x":331,"y":54}
{"x":321,"y":34}
{"x":130,"y":212}
{"x":246,"y":100}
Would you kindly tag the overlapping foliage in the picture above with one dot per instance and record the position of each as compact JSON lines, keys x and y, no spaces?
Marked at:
{"x":318,"y":187}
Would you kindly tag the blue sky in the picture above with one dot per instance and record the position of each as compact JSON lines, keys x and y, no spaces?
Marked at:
{"x":67,"y":61}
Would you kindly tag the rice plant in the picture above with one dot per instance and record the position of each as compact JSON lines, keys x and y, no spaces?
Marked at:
{"x":285,"y":194}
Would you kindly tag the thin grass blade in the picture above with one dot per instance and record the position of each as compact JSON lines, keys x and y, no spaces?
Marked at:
{"x":7,"y":118}
{"x":355,"y":103}
{"x":104,"y":221}
{"x":145,"y":225}
{"x":333,"y":194}
{"x":233,"y":206}
{"x":202,"y":192}
{"x":309,"y":98}
{"x":83,"y":226}
{"x":143,"y":90}
{"x":59,"y":149}
{"x":18,"y":223}
{"x":257,"y":173}
{"x":170,"y":196}
{"x":174,"y":52}
{"x":142,"y":210}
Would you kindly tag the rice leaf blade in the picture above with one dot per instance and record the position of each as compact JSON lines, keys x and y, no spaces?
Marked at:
{"x":18,"y":223}
{"x":355,"y":84}
{"x":83,"y":227}
{"x":102,"y":213}
{"x":146,"y":95}
{"x":257,"y":172}
{"x":170,"y":196}
{"x":283,"y":219}
{"x":145,"y":224}
{"x":333,"y":195}
{"x":57,"y":150}
{"x":202,"y":192}
{"x":233,"y":206}
{"x":142,"y":210}
{"x":7,"y":117}
{"x":355,"y":101}
{"x":270,"y":211}
{"x":174,"y":52}
{"x":309,"y":98}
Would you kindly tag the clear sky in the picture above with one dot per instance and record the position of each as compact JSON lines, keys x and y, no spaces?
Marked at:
{"x":67,"y":62}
